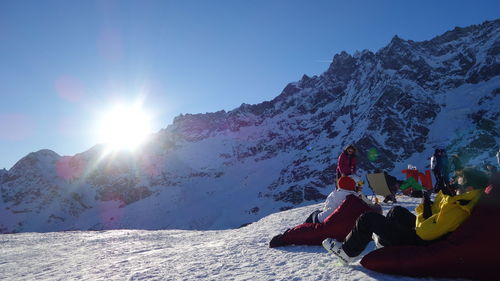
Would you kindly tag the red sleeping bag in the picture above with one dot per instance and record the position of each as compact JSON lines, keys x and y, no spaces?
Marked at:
{"x":472,"y":251}
{"x":337,"y":225}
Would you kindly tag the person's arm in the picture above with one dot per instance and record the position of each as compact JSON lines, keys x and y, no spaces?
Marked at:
{"x":353,"y":165}
{"x":332,"y":202}
{"x":343,"y":164}
{"x":427,"y":205}
{"x":365,"y":199}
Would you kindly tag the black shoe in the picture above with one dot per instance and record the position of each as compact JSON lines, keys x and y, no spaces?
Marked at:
{"x":276,"y":241}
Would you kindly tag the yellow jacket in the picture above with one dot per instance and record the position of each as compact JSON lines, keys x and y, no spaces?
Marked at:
{"x":447,"y":214}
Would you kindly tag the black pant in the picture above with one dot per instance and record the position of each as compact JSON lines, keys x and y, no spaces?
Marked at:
{"x":313,"y":217}
{"x":439,"y":181}
{"x":442,"y":183}
{"x":397,"y":228}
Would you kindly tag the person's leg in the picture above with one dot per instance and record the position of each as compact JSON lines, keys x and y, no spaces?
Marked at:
{"x":437,"y":186}
{"x":447,"y":189}
{"x":389,"y":231}
{"x":402,"y":216}
{"x":391,"y":197}
{"x":359,"y":237}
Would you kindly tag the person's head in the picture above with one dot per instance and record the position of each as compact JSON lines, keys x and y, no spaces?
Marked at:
{"x":350,"y":150}
{"x":347,"y":183}
{"x":471,"y":178}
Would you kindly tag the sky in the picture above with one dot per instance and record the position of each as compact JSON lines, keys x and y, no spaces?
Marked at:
{"x":65,"y":63}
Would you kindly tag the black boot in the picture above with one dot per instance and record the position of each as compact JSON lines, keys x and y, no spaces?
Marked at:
{"x":276,"y":241}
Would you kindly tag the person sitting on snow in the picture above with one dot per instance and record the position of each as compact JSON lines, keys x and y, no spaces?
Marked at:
{"x":345,"y":202}
{"x":459,"y":182}
{"x":401,"y":227}
{"x":346,"y":186}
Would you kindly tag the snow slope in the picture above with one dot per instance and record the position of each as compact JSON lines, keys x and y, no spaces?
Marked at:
{"x":236,"y":254}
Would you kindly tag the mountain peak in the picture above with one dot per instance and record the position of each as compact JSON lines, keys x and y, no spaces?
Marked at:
{"x":396,"y":47}
{"x":396,"y":40}
{"x":342,"y":66}
{"x":40,"y":157}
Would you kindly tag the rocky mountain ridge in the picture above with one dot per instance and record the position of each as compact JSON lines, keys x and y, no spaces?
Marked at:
{"x":224,"y":169}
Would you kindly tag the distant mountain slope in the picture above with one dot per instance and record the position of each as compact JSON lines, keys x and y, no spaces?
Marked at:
{"x":224,"y":169}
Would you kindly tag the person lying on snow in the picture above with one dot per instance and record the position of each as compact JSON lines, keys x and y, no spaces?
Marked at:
{"x":469,"y":252}
{"x":434,"y":221}
{"x":342,"y":207}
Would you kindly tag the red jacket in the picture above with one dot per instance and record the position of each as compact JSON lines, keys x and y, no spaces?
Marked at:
{"x":346,"y":165}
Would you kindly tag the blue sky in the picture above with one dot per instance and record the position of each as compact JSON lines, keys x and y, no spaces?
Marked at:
{"x":63,"y":63}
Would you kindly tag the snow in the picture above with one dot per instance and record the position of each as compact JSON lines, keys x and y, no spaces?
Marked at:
{"x":233,"y":254}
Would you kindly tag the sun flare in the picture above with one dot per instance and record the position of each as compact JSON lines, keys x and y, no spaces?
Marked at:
{"x":124,"y":127}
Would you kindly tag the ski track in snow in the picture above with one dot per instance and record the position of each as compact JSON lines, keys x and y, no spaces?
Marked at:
{"x":234,"y":254}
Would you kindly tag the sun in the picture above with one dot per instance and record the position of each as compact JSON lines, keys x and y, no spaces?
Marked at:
{"x":124,"y":127}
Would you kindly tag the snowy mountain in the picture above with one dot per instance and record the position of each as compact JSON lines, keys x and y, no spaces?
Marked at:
{"x":2,"y":172}
{"x":226,"y":169}
{"x":232,"y":254}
